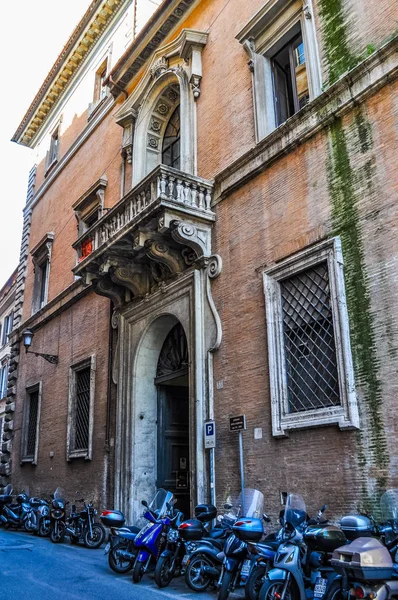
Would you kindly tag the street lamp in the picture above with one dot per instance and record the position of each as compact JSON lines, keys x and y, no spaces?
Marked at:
{"x":27,"y":342}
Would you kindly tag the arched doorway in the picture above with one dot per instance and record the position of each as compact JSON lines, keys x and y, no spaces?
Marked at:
{"x":173,"y":417}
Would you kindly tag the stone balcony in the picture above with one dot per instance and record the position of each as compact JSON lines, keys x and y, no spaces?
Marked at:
{"x":158,"y":230}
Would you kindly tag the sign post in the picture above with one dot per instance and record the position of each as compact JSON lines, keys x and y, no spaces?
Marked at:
{"x":210,"y":442}
{"x":239,"y":424}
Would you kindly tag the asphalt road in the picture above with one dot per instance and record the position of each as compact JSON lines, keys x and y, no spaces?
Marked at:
{"x":32,"y":568}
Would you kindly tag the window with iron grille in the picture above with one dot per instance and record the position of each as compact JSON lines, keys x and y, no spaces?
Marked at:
{"x":30,"y":434}
{"x":80,"y":418}
{"x":311,"y":373}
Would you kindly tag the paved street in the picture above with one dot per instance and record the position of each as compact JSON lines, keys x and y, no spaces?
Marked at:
{"x":33,"y":568}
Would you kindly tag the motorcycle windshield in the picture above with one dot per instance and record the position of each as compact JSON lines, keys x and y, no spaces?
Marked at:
{"x":8,"y":490}
{"x":295,"y":512}
{"x":250,"y":503}
{"x":389,"y":506}
{"x":26,"y":492}
{"x":161,"y":502}
{"x":59,"y":494}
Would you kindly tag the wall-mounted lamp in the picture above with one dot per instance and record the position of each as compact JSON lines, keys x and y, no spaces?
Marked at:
{"x":27,"y":342}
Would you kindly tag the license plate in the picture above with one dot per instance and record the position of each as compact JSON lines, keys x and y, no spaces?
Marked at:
{"x":107,"y":548}
{"x":320,"y":587}
{"x":245,"y":568}
{"x":185,"y":560}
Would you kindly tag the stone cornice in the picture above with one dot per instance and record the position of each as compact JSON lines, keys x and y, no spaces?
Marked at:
{"x":86,"y":35}
{"x":168,"y":15}
{"x":350,"y":90}
{"x":60,"y":303}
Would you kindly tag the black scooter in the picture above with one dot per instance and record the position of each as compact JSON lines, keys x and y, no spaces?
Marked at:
{"x":81,"y":526}
{"x":16,"y":514}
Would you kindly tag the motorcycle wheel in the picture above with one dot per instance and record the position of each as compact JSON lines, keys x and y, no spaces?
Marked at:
{"x":334,"y":591}
{"x":254,"y":583}
{"x":194,"y":576}
{"x":138,"y":571}
{"x":272,"y":590}
{"x":27,"y":526}
{"x":163,"y":576}
{"x":94,"y":540}
{"x":224,"y":590}
{"x":58,"y":536}
{"x":116,"y":563}
{"x":44,"y":528}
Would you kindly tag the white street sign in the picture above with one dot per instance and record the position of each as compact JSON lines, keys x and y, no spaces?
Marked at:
{"x":210,"y":434}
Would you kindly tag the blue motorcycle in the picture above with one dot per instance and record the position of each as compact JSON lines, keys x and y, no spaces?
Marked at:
{"x":152,"y":538}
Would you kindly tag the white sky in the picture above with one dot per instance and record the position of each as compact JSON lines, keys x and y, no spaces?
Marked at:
{"x":32,"y":34}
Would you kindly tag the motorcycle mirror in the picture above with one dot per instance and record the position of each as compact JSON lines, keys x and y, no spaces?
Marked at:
{"x":266,"y":518}
{"x":227,"y":506}
{"x":144,"y":503}
{"x":324,"y":507}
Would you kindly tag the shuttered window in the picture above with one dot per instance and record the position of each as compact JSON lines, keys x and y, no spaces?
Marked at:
{"x":30,"y":434}
{"x":81,"y":406}
{"x":82,"y":409}
{"x":311,"y":363}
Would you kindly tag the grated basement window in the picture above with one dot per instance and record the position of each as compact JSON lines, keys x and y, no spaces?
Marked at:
{"x":32,"y":424}
{"x":82,"y":409}
{"x":310,"y":353}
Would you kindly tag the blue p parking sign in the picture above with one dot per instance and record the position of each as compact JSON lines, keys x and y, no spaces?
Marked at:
{"x":210,"y":434}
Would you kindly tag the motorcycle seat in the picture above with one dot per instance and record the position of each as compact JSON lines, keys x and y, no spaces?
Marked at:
{"x":132,"y":528}
{"x":216,"y":543}
{"x":273,"y":544}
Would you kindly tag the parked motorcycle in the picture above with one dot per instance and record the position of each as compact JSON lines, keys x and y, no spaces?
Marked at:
{"x":366,"y":566}
{"x":57,"y":523}
{"x":5,"y":498}
{"x":205,"y":557}
{"x":15,"y":514}
{"x":249,"y":528}
{"x":39,"y":510}
{"x":261,"y":558}
{"x":120,"y":548}
{"x":81,"y":526}
{"x":151,"y":540}
{"x":302,"y":568}
{"x":180,"y":543}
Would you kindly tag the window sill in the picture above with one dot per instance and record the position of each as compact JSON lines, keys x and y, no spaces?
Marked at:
{"x":94,"y":107}
{"x":28,"y":460}
{"x":79,"y":454}
{"x":50,"y":167}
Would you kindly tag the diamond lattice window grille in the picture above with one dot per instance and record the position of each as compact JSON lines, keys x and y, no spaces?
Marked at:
{"x":82,"y":409}
{"x":310,"y":353}
{"x":32,"y":424}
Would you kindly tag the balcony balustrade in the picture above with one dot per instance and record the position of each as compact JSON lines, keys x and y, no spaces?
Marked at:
{"x":159,"y":228}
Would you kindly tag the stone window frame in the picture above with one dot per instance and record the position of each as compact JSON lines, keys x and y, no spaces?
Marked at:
{"x":4,"y":378}
{"x":52,"y":154}
{"x":38,"y":387}
{"x":89,"y":203}
{"x":346,"y":415}
{"x":177,"y":64}
{"x":260,"y":36}
{"x":73,"y":369}
{"x":41,"y":256}
{"x":7,"y":328}
{"x":103,"y":64}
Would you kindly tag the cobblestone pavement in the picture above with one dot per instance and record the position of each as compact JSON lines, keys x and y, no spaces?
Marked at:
{"x":32,"y":568}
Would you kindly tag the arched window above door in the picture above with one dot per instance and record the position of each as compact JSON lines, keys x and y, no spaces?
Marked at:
{"x":171,"y":141}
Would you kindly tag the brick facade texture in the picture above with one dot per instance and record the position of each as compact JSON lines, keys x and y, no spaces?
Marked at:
{"x":306,"y":196}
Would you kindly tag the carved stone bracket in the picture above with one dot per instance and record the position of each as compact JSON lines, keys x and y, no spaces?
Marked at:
{"x":213,"y":266}
{"x":190,"y":235}
{"x":104,"y":286}
{"x":162,"y":253}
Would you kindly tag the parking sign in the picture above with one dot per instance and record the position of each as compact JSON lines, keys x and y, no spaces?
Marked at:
{"x":210,"y":434}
